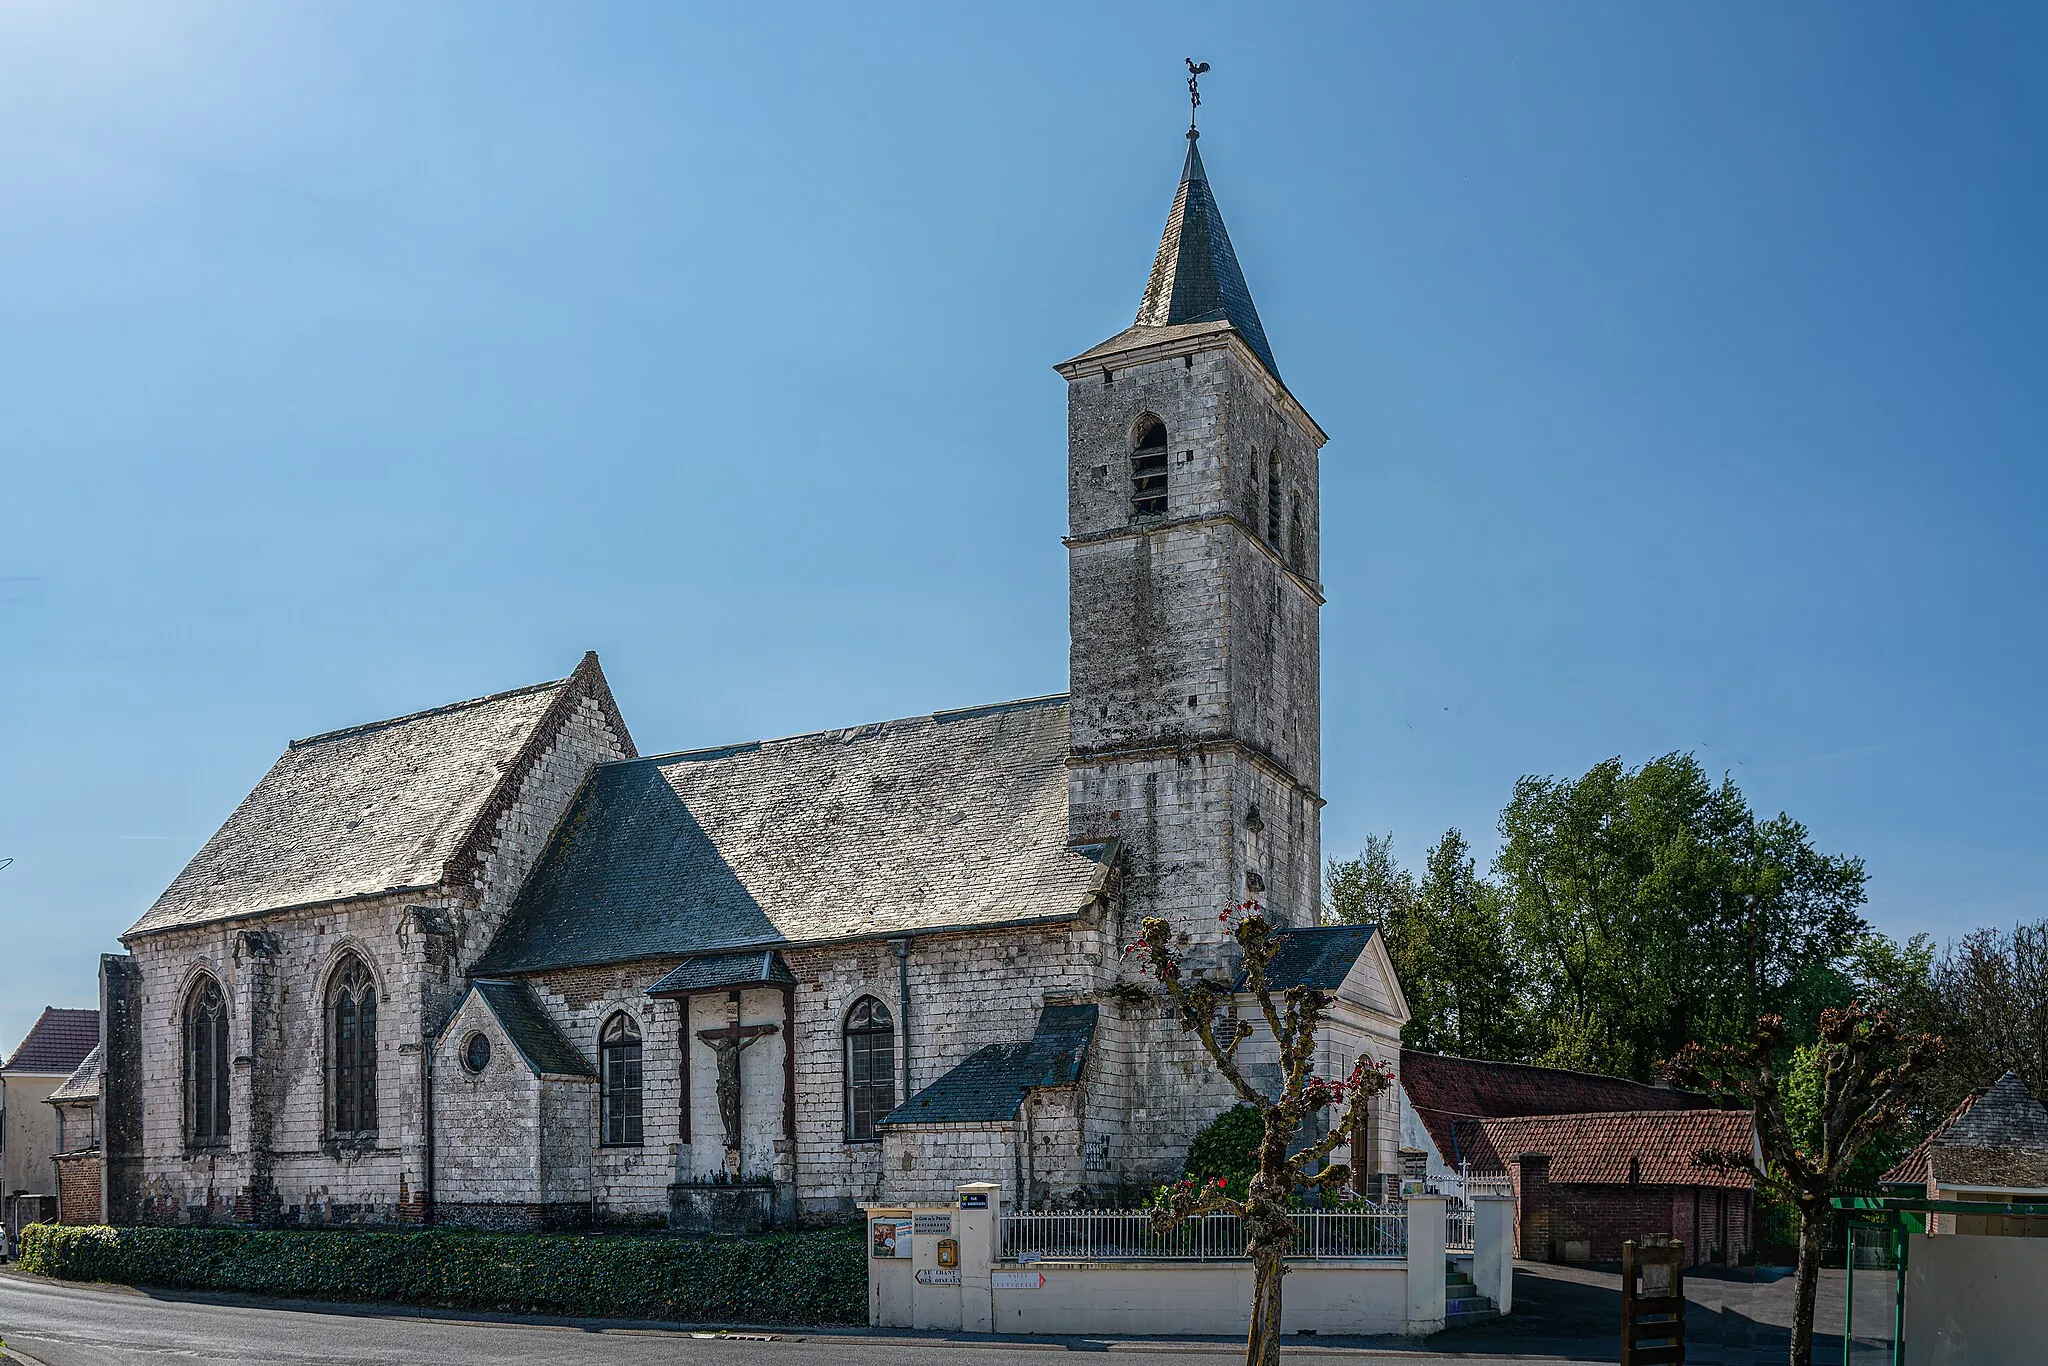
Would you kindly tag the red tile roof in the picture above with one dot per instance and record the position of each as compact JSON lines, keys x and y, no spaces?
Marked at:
{"x":1447,"y":1093}
{"x":56,"y":1043}
{"x":1630,"y":1147}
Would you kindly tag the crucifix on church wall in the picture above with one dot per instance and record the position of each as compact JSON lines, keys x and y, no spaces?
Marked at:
{"x":728,"y":1043}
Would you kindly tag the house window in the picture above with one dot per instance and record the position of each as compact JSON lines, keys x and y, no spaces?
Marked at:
{"x":1148,"y":469}
{"x":618,"y":1061}
{"x":870,"y":1068}
{"x":352,"y":1051}
{"x":206,"y":1065}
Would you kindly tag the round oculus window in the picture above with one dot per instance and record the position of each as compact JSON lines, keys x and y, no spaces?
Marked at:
{"x":476,"y":1054}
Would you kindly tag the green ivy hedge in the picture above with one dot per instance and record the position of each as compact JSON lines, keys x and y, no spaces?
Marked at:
{"x":789,"y":1278}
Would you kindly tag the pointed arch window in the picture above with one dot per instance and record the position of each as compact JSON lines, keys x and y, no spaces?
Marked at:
{"x":870,"y":1068}
{"x":352,"y":1051}
{"x":1273,"y":501}
{"x":618,"y":1068}
{"x":206,"y":1065}
{"x":1149,"y":469}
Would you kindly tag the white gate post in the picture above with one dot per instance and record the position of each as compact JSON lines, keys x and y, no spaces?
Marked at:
{"x":1493,"y":1248}
{"x":1425,"y":1265}
{"x":980,"y":1202}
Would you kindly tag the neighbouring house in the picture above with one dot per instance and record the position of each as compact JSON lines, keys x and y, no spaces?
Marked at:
{"x":52,"y":1050}
{"x":490,"y":964}
{"x":1992,"y":1149}
{"x":77,"y":1103}
{"x":1440,"y":1091}
{"x":1592,"y":1160}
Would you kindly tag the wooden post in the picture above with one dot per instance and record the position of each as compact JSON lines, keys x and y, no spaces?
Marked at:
{"x":1652,"y":1304}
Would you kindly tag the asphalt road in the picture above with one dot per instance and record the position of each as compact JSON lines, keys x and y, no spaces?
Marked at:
{"x":1562,"y":1314}
{"x":50,"y":1324}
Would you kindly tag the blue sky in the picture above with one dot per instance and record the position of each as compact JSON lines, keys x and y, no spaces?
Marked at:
{"x":1684,"y":368}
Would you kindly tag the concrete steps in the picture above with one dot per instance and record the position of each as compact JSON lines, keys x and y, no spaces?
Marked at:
{"x":1463,"y":1303}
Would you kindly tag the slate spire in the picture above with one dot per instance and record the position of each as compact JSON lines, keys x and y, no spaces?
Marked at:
{"x":1195,"y":276}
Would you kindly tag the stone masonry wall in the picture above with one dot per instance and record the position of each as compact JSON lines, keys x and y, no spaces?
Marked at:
{"x":926,"y":1161}
{"x":487,"y":1124}
{"x":281,"y":1162}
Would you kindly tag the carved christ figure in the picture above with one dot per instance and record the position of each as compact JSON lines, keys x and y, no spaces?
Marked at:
{"x":729,"y":1043}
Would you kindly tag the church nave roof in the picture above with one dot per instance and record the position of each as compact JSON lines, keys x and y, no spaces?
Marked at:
{"x":953,"y":820}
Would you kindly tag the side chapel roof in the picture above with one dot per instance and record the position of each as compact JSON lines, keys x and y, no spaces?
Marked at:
{"x":956,"y":820}
{"x":386,"y":807}
{"x":540,"y":1043}
{"x":1319,"y":957}
{"x":989,"y":1086}
{"x":56,"y":1043}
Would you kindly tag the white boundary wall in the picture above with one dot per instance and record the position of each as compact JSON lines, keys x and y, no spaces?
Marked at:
{"x":1362,"y":1297}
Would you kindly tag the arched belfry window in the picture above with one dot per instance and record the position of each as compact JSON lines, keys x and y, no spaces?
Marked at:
{"x":206,"y":1065}
{"x":352,"y":1051}
{"x":870,"y":1068}
{"x":1148,"y":469}
{"x":618,"y":1070}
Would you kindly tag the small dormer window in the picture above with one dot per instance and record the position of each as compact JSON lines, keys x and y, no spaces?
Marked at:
{"x":1148,"y":469}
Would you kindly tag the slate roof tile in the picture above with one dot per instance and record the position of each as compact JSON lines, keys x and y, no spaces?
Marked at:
{"x":725,"y":970}
{"x":83,"y":1084}
{"x":56,"y":1043}
{"x":1656,"y":1147}
{"x":953,"y":820}
{"x":1996,"y":1137}
{"x":540,"y":1042}
{"x":357,"y":812}
{"x":1318,"y":957}
{"x":988,"y":1087}
{"x":1195,"y":275}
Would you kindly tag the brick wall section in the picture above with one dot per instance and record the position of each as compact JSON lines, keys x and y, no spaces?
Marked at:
{"x":78,"y":1188}
{"x":280,"y":1162}
{"x":1713,"y":1221}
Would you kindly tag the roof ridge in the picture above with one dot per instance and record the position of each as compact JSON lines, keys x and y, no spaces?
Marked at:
{"x":1604,"y":1114}
{"x":442,"y":710}
{"x":1544,"y":1067}
{"x":750,"y":746}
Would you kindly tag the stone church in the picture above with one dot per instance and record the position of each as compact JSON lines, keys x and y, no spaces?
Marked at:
{"x":488,"y":964}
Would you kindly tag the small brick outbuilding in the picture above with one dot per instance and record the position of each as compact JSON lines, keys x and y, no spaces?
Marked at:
{"x":1585,"y":1183}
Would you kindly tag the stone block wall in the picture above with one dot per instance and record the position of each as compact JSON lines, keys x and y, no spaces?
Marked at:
{"x":927,"y":1161}
{"x":487,"y":1123}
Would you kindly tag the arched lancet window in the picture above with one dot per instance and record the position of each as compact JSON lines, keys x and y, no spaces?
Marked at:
{"x":618,"y":1071}
{"x":870,"y":1068}
{"x":352,"y":1050}
{"x":1273,"y":500}
{"x":206,"y":1065}
{"x":1297,"y":539}
{"x":1148,"y":469}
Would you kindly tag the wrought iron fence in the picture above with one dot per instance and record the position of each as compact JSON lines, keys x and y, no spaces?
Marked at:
{"x":1128,"y":1235}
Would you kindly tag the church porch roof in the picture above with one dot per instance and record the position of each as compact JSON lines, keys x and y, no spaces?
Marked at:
{"x":764,"y":969}
{"x":952,"y":821}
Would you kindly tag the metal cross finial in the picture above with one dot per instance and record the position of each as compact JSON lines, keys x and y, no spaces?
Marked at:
{"x":1195,"y":72}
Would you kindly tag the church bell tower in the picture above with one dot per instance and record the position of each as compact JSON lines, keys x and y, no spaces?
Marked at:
{"x":1193,"y":544}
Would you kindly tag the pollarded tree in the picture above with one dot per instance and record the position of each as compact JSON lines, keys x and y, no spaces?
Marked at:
{"x":1200,"y":1002}
{"x":1867,"y":1071}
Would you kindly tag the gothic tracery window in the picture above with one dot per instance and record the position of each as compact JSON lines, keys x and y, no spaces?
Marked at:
{"x":1149,"y":469}
{"x":870,"y":1068}
{"x":206,"y":1065}
{"x":352,"y":1051}
{"x":618,"y":1055}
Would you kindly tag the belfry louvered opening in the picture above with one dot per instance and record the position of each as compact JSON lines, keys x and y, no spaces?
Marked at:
{"x":1148,"y":469}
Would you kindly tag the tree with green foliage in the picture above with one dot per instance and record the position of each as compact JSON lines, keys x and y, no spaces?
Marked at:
{"x":1817,"y":1111}
{"x":1202,"y":1004}
{"x":1987,"y":995}
{"x":1650,"y":908}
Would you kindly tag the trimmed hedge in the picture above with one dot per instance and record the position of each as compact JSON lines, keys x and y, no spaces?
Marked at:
{"x":787,"y":1278}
